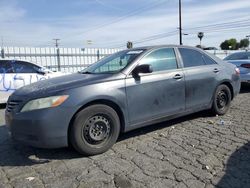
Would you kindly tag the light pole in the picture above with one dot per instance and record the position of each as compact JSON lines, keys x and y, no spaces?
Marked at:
{"x":180,"y":26}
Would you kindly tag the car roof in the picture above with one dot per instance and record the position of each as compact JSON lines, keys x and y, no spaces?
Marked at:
{"x":163,"y":46}
{"x":9,"y":59}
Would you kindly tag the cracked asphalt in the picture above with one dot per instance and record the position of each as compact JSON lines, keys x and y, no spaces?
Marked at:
{"x":195,"y":151}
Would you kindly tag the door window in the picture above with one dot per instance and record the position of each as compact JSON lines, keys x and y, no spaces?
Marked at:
{"x":5,"y":67}
{"x":208,"y":60}
{"x":191,"y":58}
{"x":160,"y":60}
{"x":24,"y":67}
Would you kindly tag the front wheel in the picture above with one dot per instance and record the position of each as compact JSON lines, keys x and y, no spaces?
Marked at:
{"x":95,"y":129}
{"x":222,"y":100}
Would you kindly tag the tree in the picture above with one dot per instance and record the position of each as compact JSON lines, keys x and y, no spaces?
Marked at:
{"x":232,"y":44}
{"x":244,"y":43}
{"x":224,"y":45}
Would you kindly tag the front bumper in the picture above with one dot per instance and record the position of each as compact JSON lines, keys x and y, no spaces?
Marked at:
{"x":45,"y":128}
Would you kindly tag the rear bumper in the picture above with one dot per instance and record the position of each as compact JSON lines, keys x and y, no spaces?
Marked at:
{"x":245,"y":78}
{"x":46,"y":128}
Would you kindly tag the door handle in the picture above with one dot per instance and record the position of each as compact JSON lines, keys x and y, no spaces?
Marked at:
{"x":177,"y":76}
{"x":216,"y":70}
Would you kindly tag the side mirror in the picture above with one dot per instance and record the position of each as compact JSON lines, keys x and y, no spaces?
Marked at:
{"x":145,"y":68}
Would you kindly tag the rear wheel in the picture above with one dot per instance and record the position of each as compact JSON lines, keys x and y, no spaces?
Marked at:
{"x":222,"y":100}
{"x":95,"y":129}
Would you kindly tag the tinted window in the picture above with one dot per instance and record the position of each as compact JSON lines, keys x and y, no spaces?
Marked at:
{"x":208,"y":60}
{"x":162,"y":59}
{"x":191,"y":57}
{"x":5,"y":66}
{"x":238,"y":56}
{"x":24,"y":67}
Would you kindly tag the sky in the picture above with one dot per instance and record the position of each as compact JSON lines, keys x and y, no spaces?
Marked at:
{"x":111,"y":23}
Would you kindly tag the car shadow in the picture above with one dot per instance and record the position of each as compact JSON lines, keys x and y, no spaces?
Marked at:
{"x":237,"y":172}
{"x":245,"y":88}
{"x":162,"y":125}
{"x":16,"y":154}
{"x":2,"y":106}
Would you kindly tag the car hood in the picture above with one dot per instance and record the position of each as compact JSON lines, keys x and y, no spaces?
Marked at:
{"x":61,"y":83}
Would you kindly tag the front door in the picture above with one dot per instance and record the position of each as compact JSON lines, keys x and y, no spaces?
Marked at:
{"x":157,"y":94}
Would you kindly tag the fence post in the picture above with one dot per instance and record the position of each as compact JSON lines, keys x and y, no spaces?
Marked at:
{"x":2,"y":53}
{"x":98,"y":55}
{"x":58,"y":59}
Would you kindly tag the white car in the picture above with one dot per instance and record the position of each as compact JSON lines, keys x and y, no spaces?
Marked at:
{"x":16,"y":73}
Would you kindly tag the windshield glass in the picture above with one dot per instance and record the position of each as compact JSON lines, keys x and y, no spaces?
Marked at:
{"x":238,"y":56}
{"x":113,"y":63}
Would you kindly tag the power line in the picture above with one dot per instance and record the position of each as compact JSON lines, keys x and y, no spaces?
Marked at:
{"x":107,"y":5}
{"x":132,"y":13}
{"x":226,"y":26}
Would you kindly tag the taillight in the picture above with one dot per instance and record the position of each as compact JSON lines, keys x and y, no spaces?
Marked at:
{"x":246,"y":65}
{"x":237,"y":71}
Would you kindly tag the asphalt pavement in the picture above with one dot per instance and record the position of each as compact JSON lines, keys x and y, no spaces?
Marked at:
{"x":198,"y":150}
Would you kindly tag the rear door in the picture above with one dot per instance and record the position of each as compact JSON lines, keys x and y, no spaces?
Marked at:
{"x":159,"y":93}
{"x":201,"y":73}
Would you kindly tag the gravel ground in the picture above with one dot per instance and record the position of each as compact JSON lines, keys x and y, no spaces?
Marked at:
{"x":194,"y":151}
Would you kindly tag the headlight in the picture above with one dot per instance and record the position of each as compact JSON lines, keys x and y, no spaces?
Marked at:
{"x":44,"y":103}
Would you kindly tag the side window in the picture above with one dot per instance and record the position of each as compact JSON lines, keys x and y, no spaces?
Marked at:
{"x":191,"y":57}
{"x":23,"y":67}
{"x":5,"y":67}
{"x":208,"y":60}
{"x":160,"y":60}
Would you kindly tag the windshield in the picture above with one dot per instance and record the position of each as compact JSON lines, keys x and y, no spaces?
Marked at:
{"x":114,"y":63}
{"x":238,"y":56}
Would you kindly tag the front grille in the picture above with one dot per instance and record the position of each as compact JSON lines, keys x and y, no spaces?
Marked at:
{"x":12,"y":105}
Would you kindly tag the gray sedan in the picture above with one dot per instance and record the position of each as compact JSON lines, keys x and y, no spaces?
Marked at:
{"x":127,"y":90}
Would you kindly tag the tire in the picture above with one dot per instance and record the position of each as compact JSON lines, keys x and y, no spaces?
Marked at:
{"x":221,"y":100}
{"x":95,"y":129}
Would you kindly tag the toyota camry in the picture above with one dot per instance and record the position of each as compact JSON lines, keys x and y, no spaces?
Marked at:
{"x":124,"y":91}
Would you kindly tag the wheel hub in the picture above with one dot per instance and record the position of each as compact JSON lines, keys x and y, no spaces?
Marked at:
{"x":222,"y":99}
{"x":97,"y":128}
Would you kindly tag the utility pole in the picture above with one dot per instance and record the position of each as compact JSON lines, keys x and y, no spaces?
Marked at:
{"x":2,"y":50}
{"x":58,"y":54}
{"x":180,"y":27}
{"x":56,"y":42}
